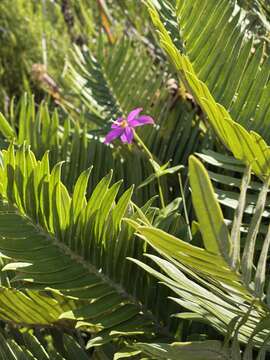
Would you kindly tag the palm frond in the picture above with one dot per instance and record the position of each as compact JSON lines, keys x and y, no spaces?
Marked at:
{"x":200,"y":350}
{"x":26,"y":346}
{"x":258,"y":16}
{"x":176,"y":135}
{"x":247,"y":146}
{"x":225,"y":57}
{"x":75,"y":238}
{"x":225,"y":173}
{"x":111,"y":85}
{"x":206,"y":280}
{"x":29,"y":308}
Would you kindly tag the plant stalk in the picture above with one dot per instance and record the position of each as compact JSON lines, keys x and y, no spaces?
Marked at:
{"x":149,"y":154}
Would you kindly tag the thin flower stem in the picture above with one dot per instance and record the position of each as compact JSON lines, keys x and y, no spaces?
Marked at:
{"x":145,"y":148}
{"x":148,"y":152}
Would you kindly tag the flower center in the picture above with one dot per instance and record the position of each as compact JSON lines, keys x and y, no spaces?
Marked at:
{"x":123,"y":123}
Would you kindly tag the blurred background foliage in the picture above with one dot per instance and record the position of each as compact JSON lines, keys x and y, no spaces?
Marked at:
{"x":31,"y":32}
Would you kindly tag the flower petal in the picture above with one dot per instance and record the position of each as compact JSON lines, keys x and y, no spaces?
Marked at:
{"x":127,"y":135}
{"x":117,"y":123}
{"x":113,"y":134}
{"x":134,"y":113}
{"x":141,"y":120}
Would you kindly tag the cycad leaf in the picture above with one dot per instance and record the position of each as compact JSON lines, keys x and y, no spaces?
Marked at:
{"x":5,"y":127}
{"x":213,"y":31}
{"x":111,"y":86}
{"x":214,"y":231}
{"x":246,"y":146}
{"x":26,"y":346}
{"x":54,"y":252}
{"x":30,"y":307}
{"x":200,"y":350}
{"x":218,"y":289}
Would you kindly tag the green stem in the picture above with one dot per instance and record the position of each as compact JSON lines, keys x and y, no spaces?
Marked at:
{"x":149,"y":154}
{"x":145,"y":148}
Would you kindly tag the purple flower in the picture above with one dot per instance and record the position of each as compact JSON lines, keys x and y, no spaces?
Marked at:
{"x":123,"y":127}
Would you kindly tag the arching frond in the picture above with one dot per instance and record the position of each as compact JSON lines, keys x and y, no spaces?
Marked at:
{"x":224,"y":57}
{"x":26,"y":346}
{"x":247,"y":146}
{"x":28,"y":308}
{"x":210,"y":350}
{"x":226,"y":173}
{"x":207,"y":281}
{"x":112,"y":84}
{"x":64,"y":243}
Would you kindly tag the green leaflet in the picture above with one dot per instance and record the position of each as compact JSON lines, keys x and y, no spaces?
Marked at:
{"x":26,"y":346}
{"x":29,"y":307}
{"x":186,"y":351}
{"x":214,"y":231}
{"x":6,"y":128}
